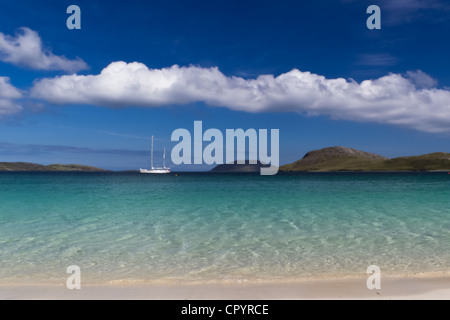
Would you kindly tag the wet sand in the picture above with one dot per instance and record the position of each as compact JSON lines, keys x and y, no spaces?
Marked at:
{"x":397,"y":288}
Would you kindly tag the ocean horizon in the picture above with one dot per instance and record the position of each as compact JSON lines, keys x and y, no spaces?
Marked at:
{"x":213,"y":227}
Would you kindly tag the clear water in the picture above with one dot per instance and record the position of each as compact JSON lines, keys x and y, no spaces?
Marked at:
{"x":216,"y":227}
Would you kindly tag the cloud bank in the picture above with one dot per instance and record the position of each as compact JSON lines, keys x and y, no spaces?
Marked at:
{"x":393,"y":99}
{"x":26,"y":49}
{"x":8,"y":94}
{"x":33,"y":149}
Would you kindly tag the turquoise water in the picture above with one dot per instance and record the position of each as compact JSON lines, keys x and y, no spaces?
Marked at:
{"x":205,"y":227}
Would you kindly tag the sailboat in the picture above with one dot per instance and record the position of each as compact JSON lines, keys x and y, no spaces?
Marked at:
{"x":157,"y":170}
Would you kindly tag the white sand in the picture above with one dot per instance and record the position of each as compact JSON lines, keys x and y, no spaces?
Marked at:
{"x":407,"y":288}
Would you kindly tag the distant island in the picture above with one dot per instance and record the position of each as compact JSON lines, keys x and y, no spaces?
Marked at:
{"x":348,"y":159}
{"x":330,"y":159}
{"x":334,"y":159}
{"x":25,"y":166}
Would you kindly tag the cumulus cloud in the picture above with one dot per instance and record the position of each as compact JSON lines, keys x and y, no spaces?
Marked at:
{"x":8,"y":94}
{"x":26,"y":49}
{"x":421,"y":79}
{"x":7,"y":90}
{"x":392,"y":99}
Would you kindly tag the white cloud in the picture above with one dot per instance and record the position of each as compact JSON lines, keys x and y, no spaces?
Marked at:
{"x":7,"y":90}
{"x":392,"y":99}
{"x":421,"y":79}
{"x":7,"y":108}
{"x":7,"y":95}
{"x":26,"y":49}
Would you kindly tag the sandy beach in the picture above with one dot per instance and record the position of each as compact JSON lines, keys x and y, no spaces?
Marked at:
{"x":347,"y":289}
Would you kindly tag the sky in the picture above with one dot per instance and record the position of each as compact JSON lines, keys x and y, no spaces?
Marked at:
{"x":311,"y":69}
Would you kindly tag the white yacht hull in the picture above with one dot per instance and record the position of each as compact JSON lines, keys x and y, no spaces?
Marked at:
{"x":156,"y":171}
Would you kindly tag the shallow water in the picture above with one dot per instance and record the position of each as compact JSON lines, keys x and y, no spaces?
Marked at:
{"x":220,"y":227}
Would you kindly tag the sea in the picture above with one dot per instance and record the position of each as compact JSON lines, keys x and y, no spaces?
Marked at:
{"x":219,"y":228}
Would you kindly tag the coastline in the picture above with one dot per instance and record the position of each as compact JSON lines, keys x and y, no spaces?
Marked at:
{"x":413,"y":288}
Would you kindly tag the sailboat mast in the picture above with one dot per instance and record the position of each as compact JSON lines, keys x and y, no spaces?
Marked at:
{"x":152,"y":154}
{"x":164,"y":158}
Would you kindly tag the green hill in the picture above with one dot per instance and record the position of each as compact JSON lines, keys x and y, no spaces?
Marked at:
{"x":438,"y":161}
{"x":25,"y":166}
{"x":334,"y":159}
{"x":347,"y":159}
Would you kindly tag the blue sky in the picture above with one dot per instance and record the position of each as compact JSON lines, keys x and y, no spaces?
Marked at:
{"x":242,"y":64}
